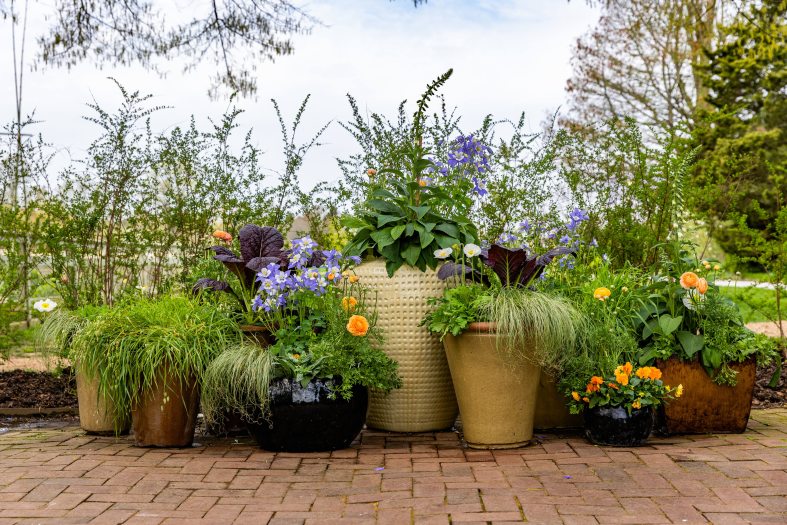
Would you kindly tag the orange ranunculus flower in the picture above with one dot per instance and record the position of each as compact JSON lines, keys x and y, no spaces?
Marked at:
{"x":597,"y":380}
{"x":331,"y":276}
{"x":222,"y":236}
{"x":689,"y":280}
{"x":602,"y":293}
{"x":575,"y":395}
{"x":655,"y":373}
{"x":613,"y":385}
{"x":591,"y":388}
{"x":627,"y":368}
{"x":358,"y":325}
{"x":702,"y":285}
{"x":349,"y":303}
{"x":586,"y":400}
{"x":354,"y":278}
{"x":371,"y":172}
{"x":623,"y":379}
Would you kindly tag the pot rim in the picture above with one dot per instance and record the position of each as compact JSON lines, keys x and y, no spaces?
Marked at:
{"x":482,"y":326}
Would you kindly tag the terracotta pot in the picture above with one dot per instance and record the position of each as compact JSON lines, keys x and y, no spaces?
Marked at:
{"x":167,"y":415}
{"x":97,"y":413}
{"x":706,"y":407}
{"x":614,"y":426}
{"x":496,"y":393}
{"x":552,"y":406}
{"x":307,"y":420}
{"x":426,"y":400}
{"x":258,"y":334}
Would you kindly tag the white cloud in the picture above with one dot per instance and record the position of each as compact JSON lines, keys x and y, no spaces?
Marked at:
{"x":508,"y":56}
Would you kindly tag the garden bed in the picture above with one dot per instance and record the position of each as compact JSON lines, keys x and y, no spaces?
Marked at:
{"x":765,"y":396}
{"x":22,"y":389}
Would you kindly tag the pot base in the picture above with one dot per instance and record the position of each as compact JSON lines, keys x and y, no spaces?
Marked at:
{"x":497,"y":446}
{"x":306,"y":420}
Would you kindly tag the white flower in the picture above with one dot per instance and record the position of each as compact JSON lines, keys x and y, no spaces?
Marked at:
{"x":471,"y":250}
{"x":45,"y":305}
{"x":443,"y":253}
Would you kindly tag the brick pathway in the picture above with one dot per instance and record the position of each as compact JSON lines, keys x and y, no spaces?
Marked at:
{"x":63,"y":476}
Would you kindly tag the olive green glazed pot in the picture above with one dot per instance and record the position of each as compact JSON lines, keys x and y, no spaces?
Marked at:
{"x":496,"y":393}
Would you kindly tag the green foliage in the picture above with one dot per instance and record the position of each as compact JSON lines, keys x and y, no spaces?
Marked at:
{"x":403,"y":221}
{"x":533,"y":325}
{"x":237,"y":378}
{"x":130,"y":346}
{"x":455,"y":309}
{"x":686,"y":322}
{"x":741,"y":177}
{"x":632,"y":190}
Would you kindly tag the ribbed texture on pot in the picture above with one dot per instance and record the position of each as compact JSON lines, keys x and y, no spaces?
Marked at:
{"x":426,"y":400}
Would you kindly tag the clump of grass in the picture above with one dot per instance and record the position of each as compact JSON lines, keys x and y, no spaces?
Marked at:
{"x":534,"y":326}
{"x":129,"y":347}
{"x":238,"y":378}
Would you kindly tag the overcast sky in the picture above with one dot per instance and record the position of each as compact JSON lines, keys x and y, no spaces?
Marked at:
{"x":508,"y":56}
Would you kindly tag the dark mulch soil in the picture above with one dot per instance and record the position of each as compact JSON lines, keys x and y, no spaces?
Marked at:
{"x":23,"y":389}
{"x":765,"y":396}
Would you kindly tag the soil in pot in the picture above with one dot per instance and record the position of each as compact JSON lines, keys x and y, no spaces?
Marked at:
{"x":307,"y":420}
{"x":167,"y":414}
{"x":706,"y":407}
{"x":614,"y":426}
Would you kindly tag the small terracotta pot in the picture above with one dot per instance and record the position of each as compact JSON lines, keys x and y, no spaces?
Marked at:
{"x":167,"y":414}
{"x":706,"y":407}
{"x":98,"y":413}
{"x":258,"y":334}
{"x":496,"y":394}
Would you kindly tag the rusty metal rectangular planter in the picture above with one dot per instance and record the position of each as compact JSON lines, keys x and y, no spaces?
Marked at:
{"x":706,"y":407}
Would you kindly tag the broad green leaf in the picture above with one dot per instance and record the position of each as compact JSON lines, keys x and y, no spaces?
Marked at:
{"x":410,"y":229}
{"x":385,"y":207}
{"x":396,"y":231}
{"x":426,"y":239}
{"x":428,"y":226}
{"x":384,"y":194}
{"x":382,"y":220}
{"x":448,"y":228}
{"x":382,"y":238}
{"x":691,"y":343}
{"x":669,"y":324}
{"x":420,"y":211}
{"x":348,"y":221}
{"x":411,"y":253}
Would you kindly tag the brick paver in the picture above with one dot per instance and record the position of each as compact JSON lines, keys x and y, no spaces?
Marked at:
{"x":62,"y":476}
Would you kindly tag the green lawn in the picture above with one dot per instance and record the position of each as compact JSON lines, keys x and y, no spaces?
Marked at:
{"x":756,"y":304}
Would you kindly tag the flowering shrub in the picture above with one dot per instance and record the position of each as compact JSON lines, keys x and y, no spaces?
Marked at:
{"x":689,"y":319}
{"x":315,"y":307}
{"x":628,"y":387}
{"x":410,"y":214}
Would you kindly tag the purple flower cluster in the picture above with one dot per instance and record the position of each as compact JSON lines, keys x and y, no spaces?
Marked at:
{"x":276,"y":285}
{"x":566,"y":235}
{"x":471,"y":158}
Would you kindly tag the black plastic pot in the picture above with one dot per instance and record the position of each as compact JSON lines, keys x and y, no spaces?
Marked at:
{"x":307,"y":420}
{"x":614,"y":426}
